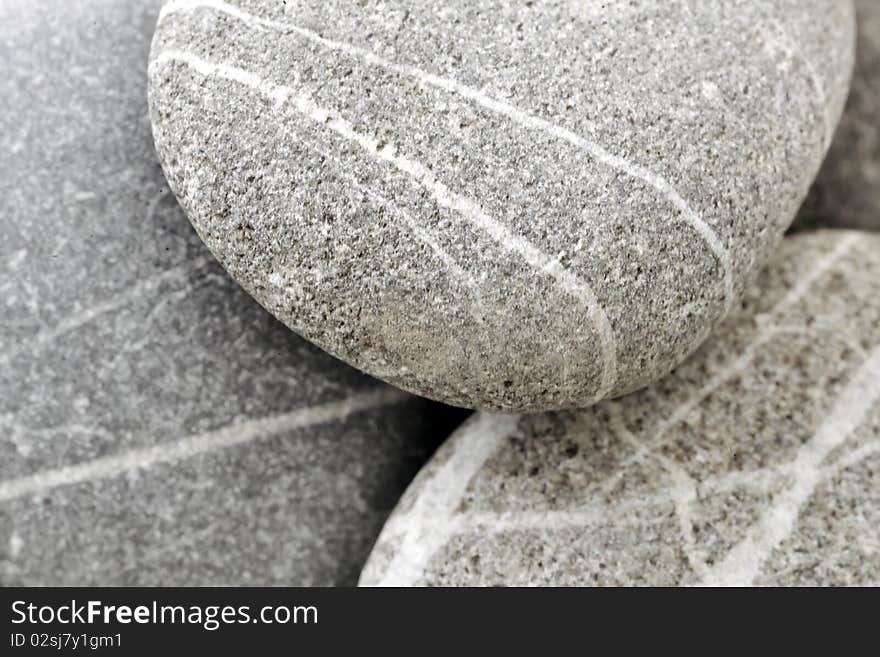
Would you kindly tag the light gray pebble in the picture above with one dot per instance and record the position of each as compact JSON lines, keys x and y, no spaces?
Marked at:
{"x":157,"y":427}
{"x":847,"y":191}
{"x":506,"y":206}
{"x":756,"y":462}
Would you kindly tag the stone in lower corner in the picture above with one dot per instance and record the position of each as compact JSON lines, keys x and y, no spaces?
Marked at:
{"x":756,"y":462}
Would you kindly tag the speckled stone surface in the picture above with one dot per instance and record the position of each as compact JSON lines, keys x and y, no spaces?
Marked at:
{"x":847,"y":191}
{"x":157,"y":426}
{"x":506,"y":206}
{"x":756,"y":461}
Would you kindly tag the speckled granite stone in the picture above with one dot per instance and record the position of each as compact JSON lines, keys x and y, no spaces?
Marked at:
{"x":156,"y":425}
{"x":756,"y":461}
{"x":506,"y":206}
{"x":847,"y":191}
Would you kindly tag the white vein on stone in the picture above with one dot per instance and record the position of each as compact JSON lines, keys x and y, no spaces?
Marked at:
{"x":581,"y":518}
{"x":844,"y":245}
{"x":744,"y":561}
{"x":758,"y":479}
{"x":415,"y":227}
{"x":419,"y":531}
{"x":488,"y":522}
{"x":765,"y":478}
{"x":853,"y":458}
{"x":512,"y":112}
{"x":683,"y":491}
{"x":420,"y":175}
{"x":168,"y":452}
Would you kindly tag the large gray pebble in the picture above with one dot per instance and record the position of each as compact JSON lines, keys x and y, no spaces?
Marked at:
{"x":847,"y":191}
{"x":157,"y":427}
{"x":509,"y":206}
{"x":757,"y":461}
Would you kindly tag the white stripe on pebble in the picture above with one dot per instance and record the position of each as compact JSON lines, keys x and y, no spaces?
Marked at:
{"x":744,"y":561}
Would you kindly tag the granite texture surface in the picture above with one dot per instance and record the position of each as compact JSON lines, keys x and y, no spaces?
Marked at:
{"x":505,"y":206}
{"x":756,"y":462}
{"x":157,"y":427}
{"x":846,"y":193}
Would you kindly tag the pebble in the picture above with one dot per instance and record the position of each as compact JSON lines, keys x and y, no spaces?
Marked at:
{"x":503,"y":206}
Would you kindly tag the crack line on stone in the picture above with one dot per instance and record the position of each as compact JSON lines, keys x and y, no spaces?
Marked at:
{"x":191,"y":446}
{"x":302,"y":102}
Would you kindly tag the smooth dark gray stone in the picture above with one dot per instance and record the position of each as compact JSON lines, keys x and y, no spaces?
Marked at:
{"x":156,"y":425}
